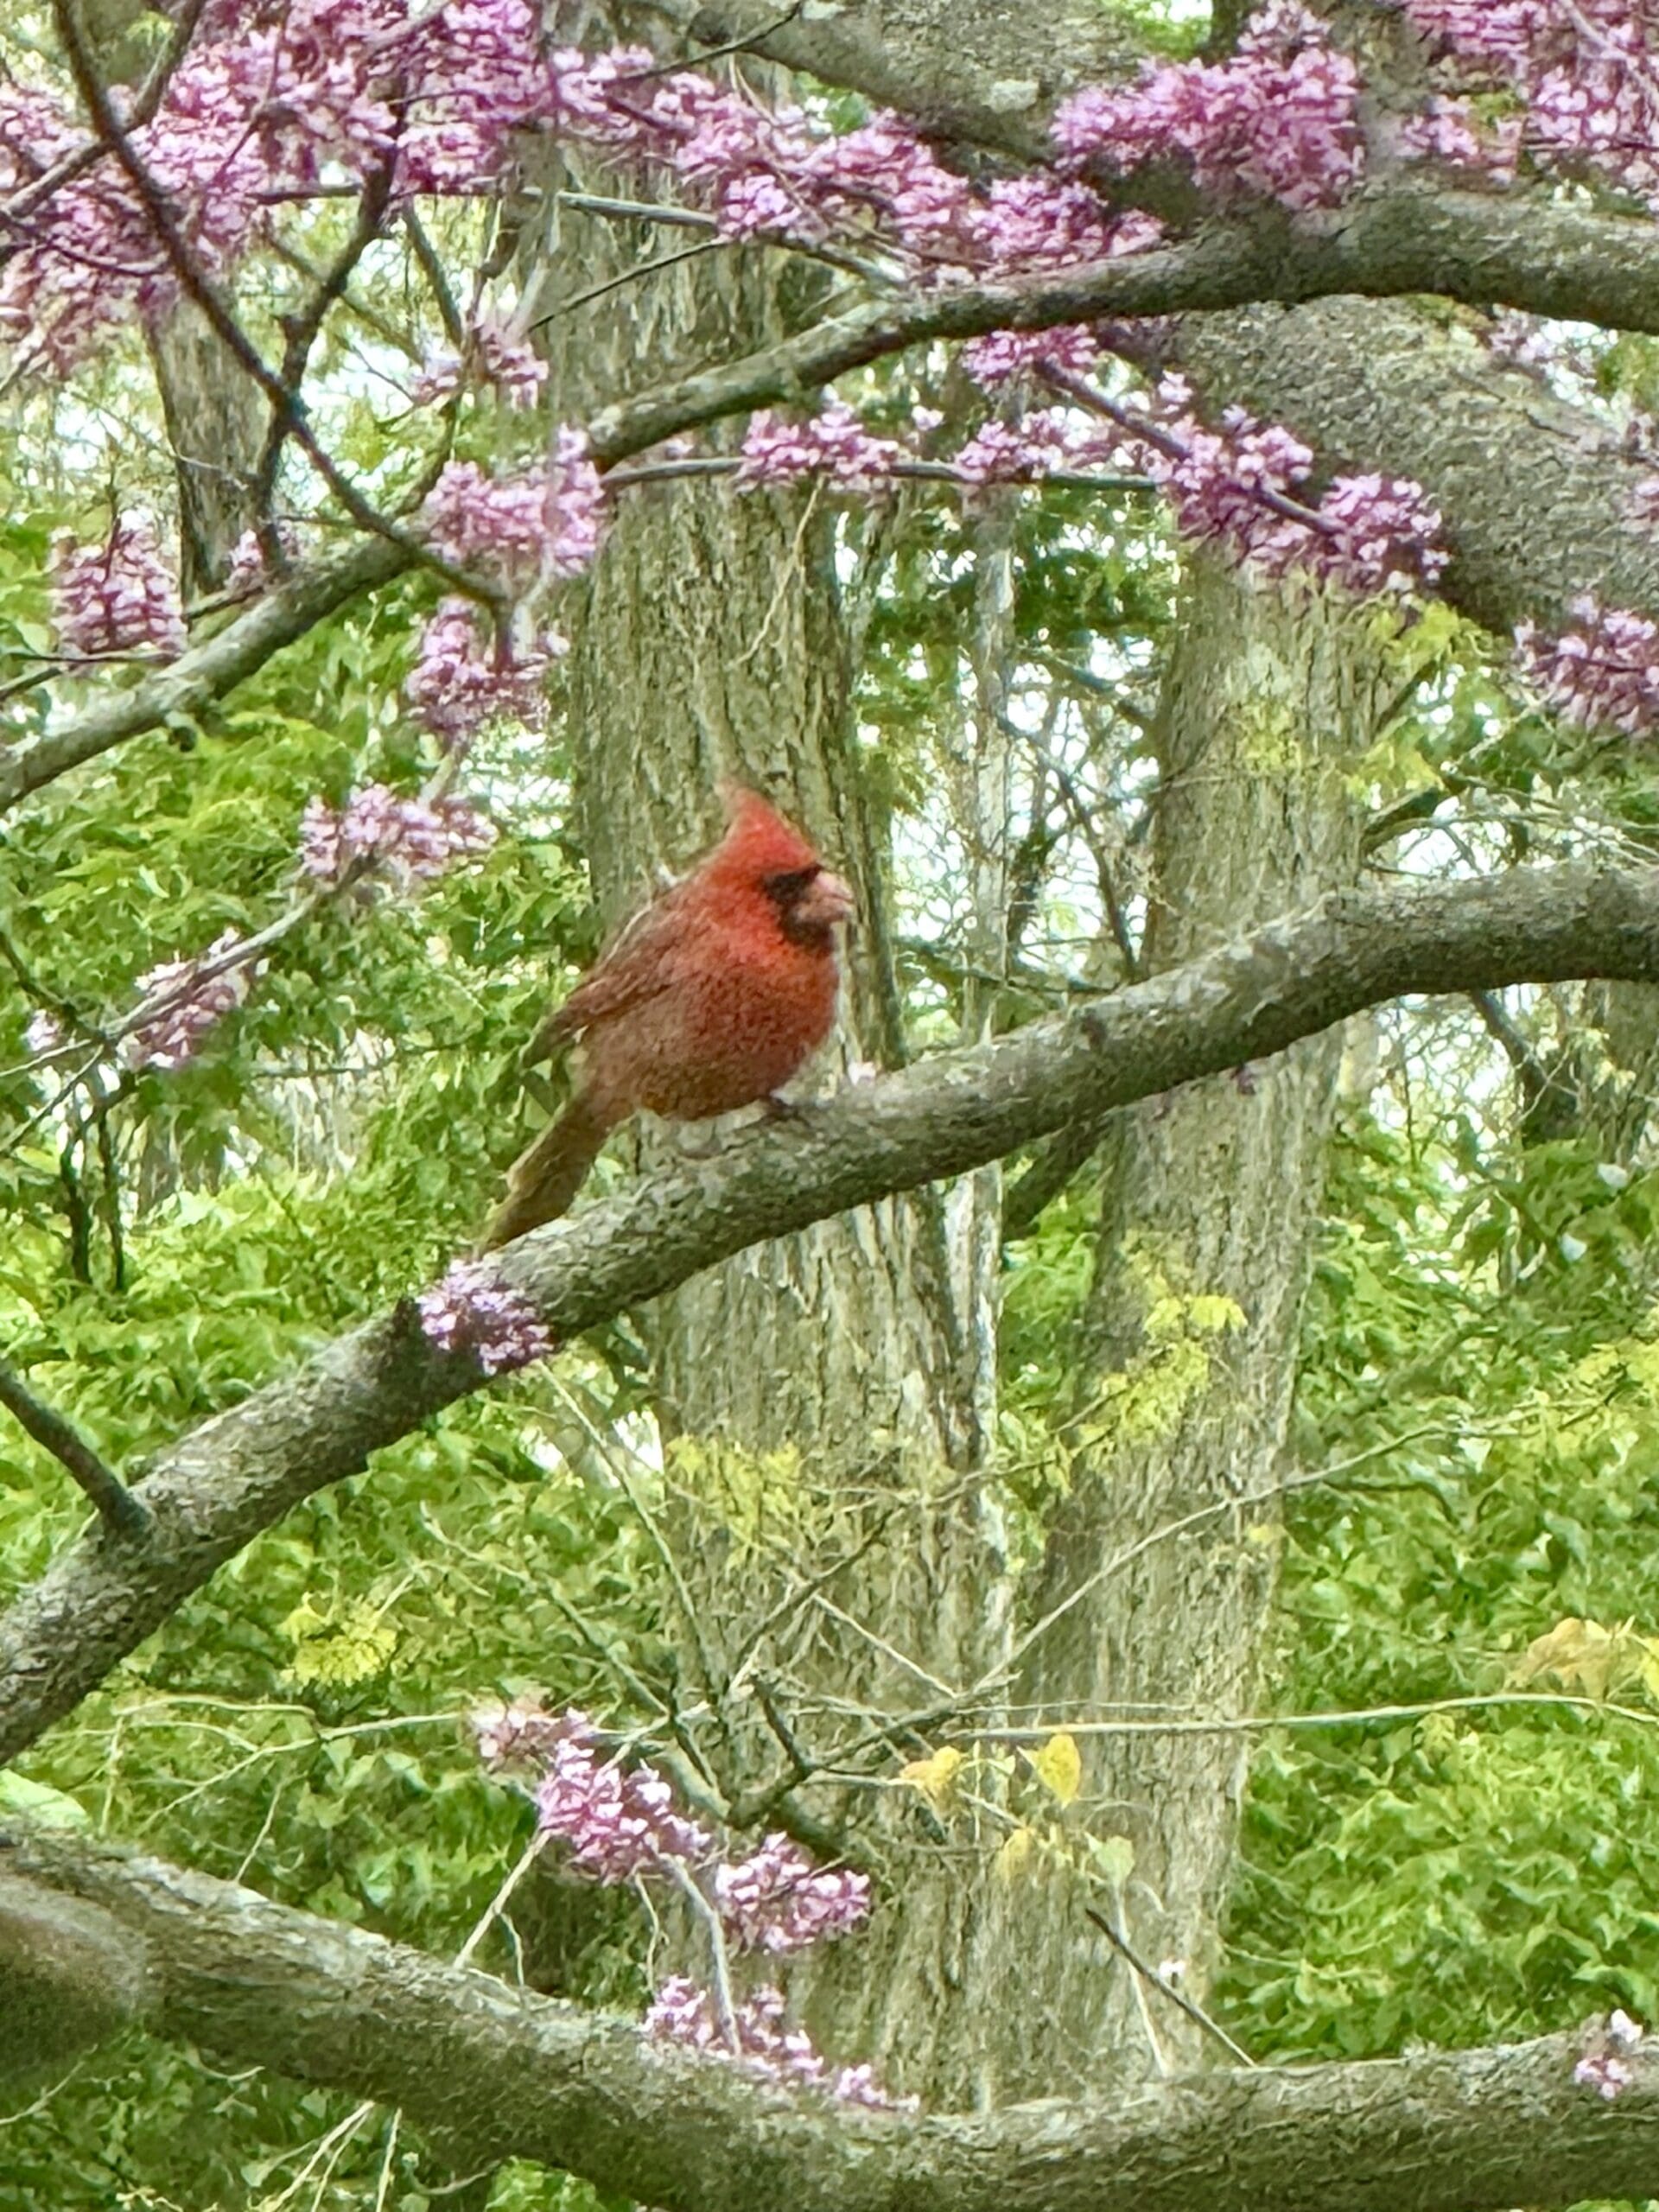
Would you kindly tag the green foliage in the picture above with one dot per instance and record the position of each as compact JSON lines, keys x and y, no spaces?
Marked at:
{"x":1482,"y":1380}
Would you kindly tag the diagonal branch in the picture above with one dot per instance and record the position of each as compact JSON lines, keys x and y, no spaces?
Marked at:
{"x":241,"y":1471}
{"x":1465,"y":245}
{"x":119,"y":1510}
{"x":505,"y":2074}
{"x":1577,"y":483}
{"x":189,"y":684}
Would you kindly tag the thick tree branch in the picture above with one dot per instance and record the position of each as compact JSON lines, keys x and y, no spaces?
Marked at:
{"x":241,"y":1471}
{"x":503,"y":2073}
{"x":189,"y":684}
{"x":71,"y":1976}
{"x":1355,"y":406}
{"x":1474,"y":247}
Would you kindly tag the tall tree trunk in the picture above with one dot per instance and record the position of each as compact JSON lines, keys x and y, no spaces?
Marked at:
{"x":823,"y":1398}
{"x":215,"y":423}
{"x":1212,"y":1197}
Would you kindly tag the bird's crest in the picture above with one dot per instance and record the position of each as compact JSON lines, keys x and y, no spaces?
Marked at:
{"x":758,"y":842}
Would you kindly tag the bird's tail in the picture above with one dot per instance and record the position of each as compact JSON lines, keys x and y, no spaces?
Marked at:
{"x":547,"y":1174}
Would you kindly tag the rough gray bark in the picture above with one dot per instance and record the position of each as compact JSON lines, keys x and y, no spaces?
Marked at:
{"x":708,"y":641}
{"x":240,"y":1471}
{"x":71,"y":1977}
{"x":216,"y":424}
{"x":498,"y":2072}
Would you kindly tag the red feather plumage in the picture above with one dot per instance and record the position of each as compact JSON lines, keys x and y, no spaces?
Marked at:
{"x":711,"y":998}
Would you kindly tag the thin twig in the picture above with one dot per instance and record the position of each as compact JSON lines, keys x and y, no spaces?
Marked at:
{"x":118,"y":1508}
{"x":627,"y":276}
{"x":641,"y":211}
{"x":744,"y":44}
{"x":201,"y":288}
{"x":719,"y":1965}
{"x":1154,"y":1979}
{"x":301,"y":331}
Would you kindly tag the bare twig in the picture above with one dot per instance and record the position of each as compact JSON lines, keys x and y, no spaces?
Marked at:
{"x":118,"y":1508}
{"x":1151,"y":1976}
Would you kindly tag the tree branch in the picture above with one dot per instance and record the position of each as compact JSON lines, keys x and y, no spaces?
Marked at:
{"x":118,"y":1508}
{"x":189,"y":684}
{"x":503,"y":2073}
{"x":1577,"y":483}
{"x":241,"y":1471}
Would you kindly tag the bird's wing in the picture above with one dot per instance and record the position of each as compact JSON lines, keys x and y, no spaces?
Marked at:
{"x":641,"y":961}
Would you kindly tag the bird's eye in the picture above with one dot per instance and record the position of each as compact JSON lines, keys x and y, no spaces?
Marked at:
{"x":791,"y":884}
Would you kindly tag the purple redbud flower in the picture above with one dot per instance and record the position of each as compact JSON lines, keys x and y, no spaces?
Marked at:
{"x":508,"y":1735}
{"x":510,"y":365}
{"x":465,"y":677}
{"x":833,"y":444}
{"x":619,"y":1822}
{"x":121,"y":596}
{"x":1603,"y":674}
{"x":474,"y":1309}
{"x":683,"y":2013}
{"x":1602,"y":2072}
{"x":413,"y":837}
{"x":1279,"y":118}
{"x":780,"y":1900}
{"x":179,"y":1005}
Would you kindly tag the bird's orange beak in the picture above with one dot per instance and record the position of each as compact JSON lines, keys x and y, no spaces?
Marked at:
{"x":826,"y":899}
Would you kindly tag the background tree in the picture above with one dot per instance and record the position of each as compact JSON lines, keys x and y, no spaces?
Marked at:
{"x":980,"y":1539}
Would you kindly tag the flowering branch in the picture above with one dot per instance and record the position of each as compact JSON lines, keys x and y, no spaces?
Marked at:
{"x":246,"y":1468}
{"x":287,"y":407}
{"x":205,"y":671}
{"x":508,"y":2074}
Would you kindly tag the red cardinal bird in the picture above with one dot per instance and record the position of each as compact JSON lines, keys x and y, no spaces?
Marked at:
{"x":710,"y":999}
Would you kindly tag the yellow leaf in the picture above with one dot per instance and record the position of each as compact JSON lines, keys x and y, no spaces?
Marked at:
{"x":1580,"y":1655}
{"x":1015,"y":1856}
{"x":1058,"y":1766}
{"x":936,"y":1777}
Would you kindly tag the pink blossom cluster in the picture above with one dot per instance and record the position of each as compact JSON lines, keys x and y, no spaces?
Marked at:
{"x":1001,"y":355}
{"x":773,"y":172}
{"x":1238,"y":487}
{"x":1451,"y":132}
{"x":619,"y":1822}
{"x":269,"y":102}
{"x":1603,"y":674}
{"x":414,"y":837}
{"x":474,"y":1309}
{"x":1588,"y":73}
{"x":685,"y":2013}
{"x":1604,"y":2066}
{"x":492,"y":354}
{"x":1279,"y":118}
{"x":247,"y":573}
{"x":463,"y":679}
{"x":1013,"y":453}
{"x":833,"y":444}
{"x":122,"y":596}
{"x":180,"y":1003}
{"x":778,"y":1899}
{"x":538,"y":527}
